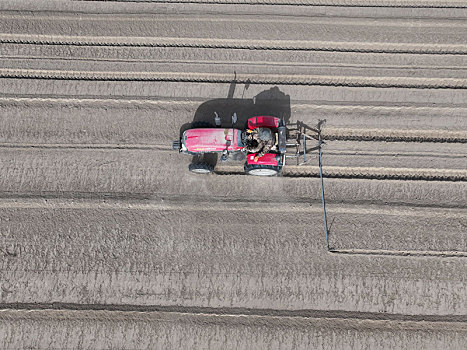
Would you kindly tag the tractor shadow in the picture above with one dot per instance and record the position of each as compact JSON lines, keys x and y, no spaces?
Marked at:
{"x":271,"y":102}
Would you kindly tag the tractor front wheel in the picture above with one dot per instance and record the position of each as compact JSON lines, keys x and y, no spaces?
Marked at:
{"x":261,"y":170}
{"x":201,"y":168}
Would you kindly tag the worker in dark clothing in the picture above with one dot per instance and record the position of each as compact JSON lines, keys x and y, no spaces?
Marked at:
{"x":259,"y":140}
{"x":252,"y":144}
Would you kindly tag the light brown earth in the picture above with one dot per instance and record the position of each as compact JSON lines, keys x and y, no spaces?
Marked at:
{"x":107,"y":241}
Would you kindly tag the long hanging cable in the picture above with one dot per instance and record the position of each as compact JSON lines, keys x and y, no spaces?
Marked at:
{"x":322,"y":190}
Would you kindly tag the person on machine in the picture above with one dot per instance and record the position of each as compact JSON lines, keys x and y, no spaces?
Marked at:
{"x":259,"y":141}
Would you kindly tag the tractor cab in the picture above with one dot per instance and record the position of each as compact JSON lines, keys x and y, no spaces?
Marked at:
{"x":276,"y":125}
{"x":271,"y":163}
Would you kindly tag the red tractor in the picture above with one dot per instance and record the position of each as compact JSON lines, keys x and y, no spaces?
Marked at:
{"x":201,"y":140}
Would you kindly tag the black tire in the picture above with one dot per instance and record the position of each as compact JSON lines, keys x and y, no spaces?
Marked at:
{"x":200,"y":168}
{"x":176,"y":145}
{"x":201,"y":125}
{"x":261,"y":170}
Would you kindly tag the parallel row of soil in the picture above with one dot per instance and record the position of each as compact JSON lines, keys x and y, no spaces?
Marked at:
{"x":108,"y":241}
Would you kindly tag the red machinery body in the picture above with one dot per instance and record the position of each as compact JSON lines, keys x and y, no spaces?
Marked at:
{"x":267,"y":159}
{"x":263,"y":122}
{"x":212,"y":140}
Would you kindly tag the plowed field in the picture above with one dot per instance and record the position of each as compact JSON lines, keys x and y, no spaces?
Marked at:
{"x":108,"y":241}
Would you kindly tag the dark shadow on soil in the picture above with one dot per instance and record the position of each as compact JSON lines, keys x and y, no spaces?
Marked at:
{"x":272,"y":102}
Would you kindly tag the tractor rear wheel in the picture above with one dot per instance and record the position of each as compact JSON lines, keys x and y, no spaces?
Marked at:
{"x":261,"y":170}
{"x":200,"y":168}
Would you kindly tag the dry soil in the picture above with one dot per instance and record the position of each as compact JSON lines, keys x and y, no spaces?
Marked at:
{"x":107,"y":241}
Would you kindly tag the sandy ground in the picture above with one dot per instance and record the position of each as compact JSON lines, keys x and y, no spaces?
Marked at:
{"x":107,"y":241}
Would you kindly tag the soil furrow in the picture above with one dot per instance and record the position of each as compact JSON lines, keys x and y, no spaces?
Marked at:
{"x":148,"y":312}
{"x":388,"y":135}
{"x":216,"y":96}
{"x":361,"y":173}
{"x":273,"y":79}
{"x":85,"y":100}
{"x":87,"y":146}
{"x":340,"y":3}
{"x":407,"y":253}
{"x":250,"y":44}
{"x":247,"y":68}
{"x":277,"y":59}
{"x":210,"y":17}
{"x":380,"y":173}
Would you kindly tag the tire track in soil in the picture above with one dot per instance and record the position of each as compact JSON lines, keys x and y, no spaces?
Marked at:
{"x":213,"y":203}
{"x":232,"y":320}
{"x":403,"y":253}
{"x":246,"y":63}
{"x":443,"y":22}
{"x":87,"y":146}
{"x":249,"y":44}
{"x":394,"y":135}
{"x":270,"y":79}
{"x":224,"y":67}
{"x":309,"y":3}
{"x":125,"y":197}
{"x":139,"y":312}
{"x":361,"y":173}
{"x":142,"y":101}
